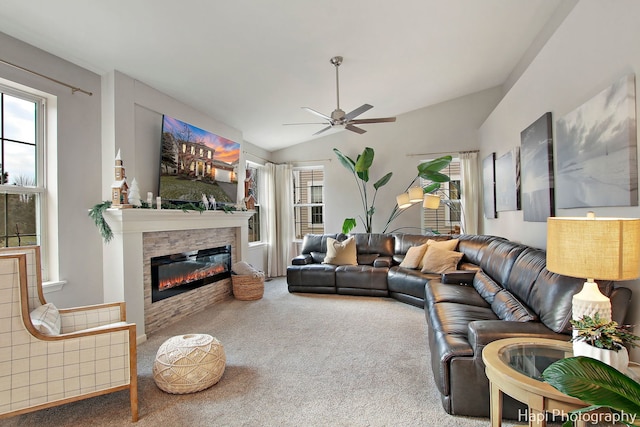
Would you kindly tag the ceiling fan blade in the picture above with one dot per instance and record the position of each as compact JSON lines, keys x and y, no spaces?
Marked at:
{"x":317,"y":113}
{"x":378,"y":120}
{"x":355,"y":129}
{"x":322,"y":130}
{"x":358,"y":111}
{"x":296,"y":124}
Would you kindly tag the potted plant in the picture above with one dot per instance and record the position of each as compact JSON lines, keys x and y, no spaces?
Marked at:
{"x":604,"y":340}
{"x":597,"y":384}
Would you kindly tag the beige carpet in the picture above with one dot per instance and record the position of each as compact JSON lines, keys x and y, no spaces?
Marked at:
{"x":292,"y":360}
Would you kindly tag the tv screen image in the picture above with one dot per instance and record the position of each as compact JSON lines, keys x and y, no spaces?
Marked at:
{"x":195,"y":162}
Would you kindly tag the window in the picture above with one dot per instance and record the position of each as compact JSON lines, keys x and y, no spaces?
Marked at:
{"x":446,"y":219}
{"x":21,"y":179}
{"x":308,"y":200}
{"x":252,"y":200}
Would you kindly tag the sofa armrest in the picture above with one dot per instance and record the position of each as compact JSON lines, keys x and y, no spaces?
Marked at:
{"x":302,"y":260}
{"x":482,"y":332}
{"x":383,"y":261}
{"x":458,"y":277}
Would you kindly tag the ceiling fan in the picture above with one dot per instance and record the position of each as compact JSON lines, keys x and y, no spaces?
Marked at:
{"x":338,"y":117}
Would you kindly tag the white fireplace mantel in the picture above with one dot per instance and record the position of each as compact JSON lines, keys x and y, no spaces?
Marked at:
{"x":122,"y":256}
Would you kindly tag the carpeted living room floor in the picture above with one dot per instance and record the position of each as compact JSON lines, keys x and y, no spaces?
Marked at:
{"x":292,"y":360}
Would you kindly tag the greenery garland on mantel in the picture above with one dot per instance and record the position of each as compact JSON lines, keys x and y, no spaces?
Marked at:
{"x":97,"y":214}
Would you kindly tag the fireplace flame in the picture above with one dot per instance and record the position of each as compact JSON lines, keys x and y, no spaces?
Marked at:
{"x":192,"y":276}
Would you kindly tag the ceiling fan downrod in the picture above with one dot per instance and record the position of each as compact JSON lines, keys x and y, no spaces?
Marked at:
{"x":336,"y":61}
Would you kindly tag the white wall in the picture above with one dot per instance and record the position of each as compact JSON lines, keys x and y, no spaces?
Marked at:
{"x":78,"y":152}
{"x":594,"y":47}
{"x":447,"y":127}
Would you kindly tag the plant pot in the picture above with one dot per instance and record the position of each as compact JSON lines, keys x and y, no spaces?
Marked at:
{"x":616,"y":359}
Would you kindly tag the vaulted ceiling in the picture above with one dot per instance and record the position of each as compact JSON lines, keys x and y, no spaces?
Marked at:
{"x":253,"y":64}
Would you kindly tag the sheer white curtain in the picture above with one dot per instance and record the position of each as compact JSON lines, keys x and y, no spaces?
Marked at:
{"x":278,"y":187}
{"x":470,"y":183}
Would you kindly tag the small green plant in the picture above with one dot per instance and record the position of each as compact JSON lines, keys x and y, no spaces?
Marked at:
{"x":604,"y":334}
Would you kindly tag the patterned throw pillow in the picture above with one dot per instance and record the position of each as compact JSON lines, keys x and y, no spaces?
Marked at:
{"x":46,"y":319}
{"x":341,"y":253}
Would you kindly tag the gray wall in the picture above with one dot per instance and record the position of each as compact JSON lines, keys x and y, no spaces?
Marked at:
{"x":594,"y":47}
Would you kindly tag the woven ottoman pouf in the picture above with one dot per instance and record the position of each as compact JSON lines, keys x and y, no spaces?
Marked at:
{"x":189,"y":363}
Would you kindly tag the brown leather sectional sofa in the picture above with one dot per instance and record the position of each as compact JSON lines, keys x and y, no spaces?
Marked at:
{"x":502,"y":290}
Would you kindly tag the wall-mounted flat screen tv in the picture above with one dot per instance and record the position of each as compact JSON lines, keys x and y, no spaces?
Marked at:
{"x":195,"y":162}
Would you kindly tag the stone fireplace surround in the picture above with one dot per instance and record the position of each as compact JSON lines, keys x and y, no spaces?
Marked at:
{"x":140,"y":234}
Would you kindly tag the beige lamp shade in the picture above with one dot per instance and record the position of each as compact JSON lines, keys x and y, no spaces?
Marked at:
{"x":403,"y":200}
{"x":415,"y":194}
{"x":431,"y":201}
{"x":594,"y":248}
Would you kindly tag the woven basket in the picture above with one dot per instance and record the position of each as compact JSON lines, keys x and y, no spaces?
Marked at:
{"x":247,"y":288}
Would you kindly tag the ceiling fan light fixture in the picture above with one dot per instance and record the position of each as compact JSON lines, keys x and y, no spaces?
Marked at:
{"x":338,"y":116}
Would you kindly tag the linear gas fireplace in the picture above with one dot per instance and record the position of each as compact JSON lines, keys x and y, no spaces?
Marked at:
{"x":177,"y":273}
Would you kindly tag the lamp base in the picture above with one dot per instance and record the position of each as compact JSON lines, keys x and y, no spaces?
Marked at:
{"x":590,"y":301}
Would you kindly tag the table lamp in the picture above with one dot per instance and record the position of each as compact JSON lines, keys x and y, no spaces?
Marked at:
{"x":590,"y":247}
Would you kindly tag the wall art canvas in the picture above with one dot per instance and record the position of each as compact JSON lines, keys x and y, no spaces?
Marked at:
{"x":536,"y":158}
{"x":508,"y":181}
{"x":489,"y":186}
{"x":596,"y":150}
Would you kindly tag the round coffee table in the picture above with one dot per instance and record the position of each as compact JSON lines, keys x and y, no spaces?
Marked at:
{"x":514,"y":366}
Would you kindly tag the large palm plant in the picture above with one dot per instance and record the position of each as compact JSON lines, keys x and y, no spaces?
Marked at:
{"x":597,"y":384}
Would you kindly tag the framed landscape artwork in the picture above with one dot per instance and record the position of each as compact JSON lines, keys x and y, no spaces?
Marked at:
{"x":597,"y":150}
{"x":536,"y":156}
{"x":489,"y":186}
{"x":508,"y":181}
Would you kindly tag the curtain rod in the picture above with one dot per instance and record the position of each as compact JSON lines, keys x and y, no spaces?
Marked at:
{"x":442,"y":152}
{"x":297,"y":161}
{"x":74,"y":89}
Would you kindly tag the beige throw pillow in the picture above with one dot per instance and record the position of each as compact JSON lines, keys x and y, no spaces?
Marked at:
{"x":341,"y":253}
{"x":448,"y":245}
{"x":439,"y":261}
{"x":413,"y":257}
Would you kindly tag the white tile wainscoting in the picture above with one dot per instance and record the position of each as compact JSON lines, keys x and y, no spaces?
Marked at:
{"x":139,"y":234}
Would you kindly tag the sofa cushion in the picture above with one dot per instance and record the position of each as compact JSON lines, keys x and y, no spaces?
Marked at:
{"x":438,"y":260}
{"x":318,"y":242}
{"x":374,"y":243}
{"x":486,"y":286}
{"x":367,"y":259}
{"x":472,"y":246}
{"x":413,"y":257}
{"x":524,"y":273}
{"x":318,"y":257}
{"x":499,"y":257}
{"x":508,"y":307}
{"x":341,"y":253}
{"x":437,"y":292}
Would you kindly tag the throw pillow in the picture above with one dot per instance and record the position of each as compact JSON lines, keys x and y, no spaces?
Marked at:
{"x":414,"y":256}
{"x":46,"y":319}
{"x":439,"y":261}
{"x":341,"y":253}
{"x":447,"y":245}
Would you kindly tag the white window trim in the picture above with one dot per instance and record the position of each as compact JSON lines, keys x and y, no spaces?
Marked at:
{"x":260,"y":169}
{"x":47,"y":176}
{"x":311,"y":205}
